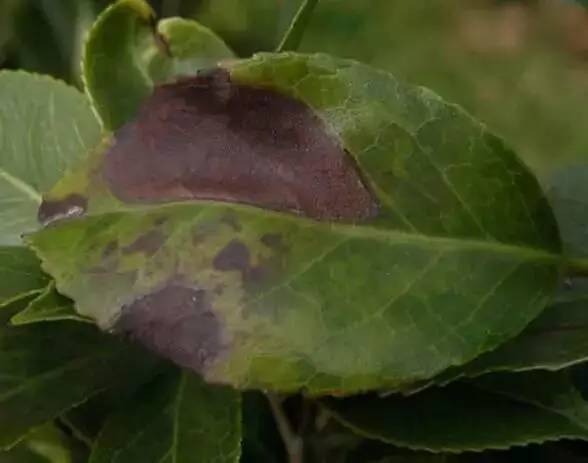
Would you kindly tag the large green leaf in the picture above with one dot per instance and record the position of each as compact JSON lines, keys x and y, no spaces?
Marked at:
{"x":493,"y":412}
{"x":126,"y":53}
{"x":48,"y":368}
{"x":20,"y":274}
{"x":462,"y":254}
{"x":177,"y":419}
{"x":44,"y":127}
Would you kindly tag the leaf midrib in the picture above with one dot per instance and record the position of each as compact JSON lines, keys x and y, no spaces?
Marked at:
{"x":349,"y":231}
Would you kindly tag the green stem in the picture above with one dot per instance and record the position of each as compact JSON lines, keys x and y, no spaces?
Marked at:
{"x":576,"y":268}
{"x":294,"y":34}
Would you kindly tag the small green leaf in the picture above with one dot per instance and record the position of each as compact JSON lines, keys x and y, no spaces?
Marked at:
{"x":49,"y":306}
{"x":295,"y":32}
{"x":493,"y":412}
{"x":20,"y":274}
{"x":112,"y":66}
{"x":127,"y":53}
{"x":50,"y":368}
{"x":45,"y":126}
{"x":176,"y":419}
{"x":190,"y":47}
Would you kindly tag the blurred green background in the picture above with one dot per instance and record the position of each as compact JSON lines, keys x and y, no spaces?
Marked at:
{"x":520,"y":66}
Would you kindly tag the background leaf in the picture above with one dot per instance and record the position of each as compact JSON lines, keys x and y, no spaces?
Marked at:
{"x":44,"y":127}
{"x":20,"y":274}
{"x":50,"y":368}
{"x":177,"y":419}
{"x":126,"y":50}
{"x":493,"y":412}
{"x":48,"y":306}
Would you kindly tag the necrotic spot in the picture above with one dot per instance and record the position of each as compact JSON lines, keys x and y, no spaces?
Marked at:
{"x":208,"y":138}
{"x":176,"y":322}
{"x":73,"y":205}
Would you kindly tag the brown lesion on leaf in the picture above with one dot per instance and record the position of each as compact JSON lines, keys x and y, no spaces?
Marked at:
{"x":208,"y":138}
{"x":177,"y":322}
{"x":73,"y":205}
{"x":148,"y":243}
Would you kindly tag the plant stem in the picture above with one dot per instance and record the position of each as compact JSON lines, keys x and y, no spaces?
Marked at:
{"x":576,"y":268}
{"x":293,"y":442}
{"x":293,"y":35}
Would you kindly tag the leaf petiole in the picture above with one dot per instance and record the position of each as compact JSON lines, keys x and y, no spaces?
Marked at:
{"x":295,"y":32}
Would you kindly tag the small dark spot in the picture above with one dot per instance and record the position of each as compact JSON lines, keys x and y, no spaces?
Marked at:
{"x":176,"y":322}
{"x":234,"y":256}
{"x":231,"y":219}
{"x":159,"y":221}
{"x":219,"y":289}
{"x":208,"y":138}
{"x":202,"y":231}
{"x":273,"y":241}
{"x":109,"y":249}
{"x":148,"y":243}
{"x":73,"y":205}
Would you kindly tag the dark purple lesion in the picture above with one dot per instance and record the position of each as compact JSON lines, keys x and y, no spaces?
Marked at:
{"x":235,"y":256}
{"x":73,"y":205}
{"x":208,"y":138}
{"x":179,"y":323}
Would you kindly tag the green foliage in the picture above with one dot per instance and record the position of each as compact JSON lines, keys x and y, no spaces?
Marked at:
{"x":176,"y":418}
{"x":433,"y":273}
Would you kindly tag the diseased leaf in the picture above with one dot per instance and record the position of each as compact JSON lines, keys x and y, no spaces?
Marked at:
{"x":493,"y":412}
{"x":557,"y":339}
{"x":49,"y":306}
{"x":126,"y":52}
{"x":329,"y":236}
{"x":20,"y":274}
{"x":47,"y":369}
{"x":176,"y":419}
{"x":44,"y":127}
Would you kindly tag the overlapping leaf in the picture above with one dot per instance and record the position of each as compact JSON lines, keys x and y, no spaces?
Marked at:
{"x":126,"y":53}
{"x":20,"y":274}
{"x":48,"y":306}
{"x":48,"y":368}
{"x":177,"y":419}
{"x":290,"y":302}
{"x":493,"y":412}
